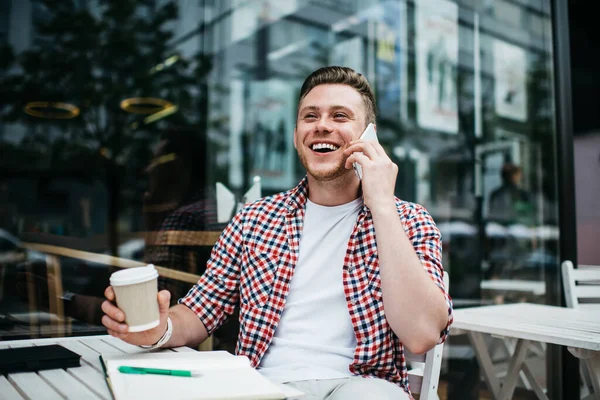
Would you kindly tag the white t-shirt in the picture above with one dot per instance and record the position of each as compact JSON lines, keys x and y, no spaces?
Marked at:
{"x":315,"y":337}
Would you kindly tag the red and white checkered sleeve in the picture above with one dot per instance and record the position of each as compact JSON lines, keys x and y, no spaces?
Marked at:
{"x":216,"y":294}
{"x":427,"y":242}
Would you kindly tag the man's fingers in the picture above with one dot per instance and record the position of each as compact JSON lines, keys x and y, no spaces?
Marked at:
{"x":365,"y":147}
{"x":113,"y":311}
{"x":113,"y":325}
{"x":116,"y":334}
{"x":356,"y":157}
{"x":109,"y":293}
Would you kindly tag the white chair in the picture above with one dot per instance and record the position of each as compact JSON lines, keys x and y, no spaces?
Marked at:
{"x":582,"y":290}
{"x":582,"y":285}
{"x":424,"y":369}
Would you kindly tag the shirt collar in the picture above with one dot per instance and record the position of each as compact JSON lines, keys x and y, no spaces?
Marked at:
{"x":297,"y":197}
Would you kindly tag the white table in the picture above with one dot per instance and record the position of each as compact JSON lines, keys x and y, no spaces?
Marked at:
{"x":529,"y":323}
{"x":537,"y":288}
{"x":84,"y":382}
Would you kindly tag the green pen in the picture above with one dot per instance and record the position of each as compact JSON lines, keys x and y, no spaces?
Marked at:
{"x":157,"y":371}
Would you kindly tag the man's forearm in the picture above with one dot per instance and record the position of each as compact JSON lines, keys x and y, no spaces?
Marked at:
{"x":187,"y":328}
{"x":415,"y":307}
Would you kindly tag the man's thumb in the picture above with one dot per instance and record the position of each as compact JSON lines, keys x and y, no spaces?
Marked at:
{"x":164,"y":297}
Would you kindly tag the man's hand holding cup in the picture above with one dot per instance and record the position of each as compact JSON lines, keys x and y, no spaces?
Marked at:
{"x":140,"y":314}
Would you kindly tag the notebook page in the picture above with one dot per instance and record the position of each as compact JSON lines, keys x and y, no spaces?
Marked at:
{"x":223,"y":376}
{"x":210,"y":360}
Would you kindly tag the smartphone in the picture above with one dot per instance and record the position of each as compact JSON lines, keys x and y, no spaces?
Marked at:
{"x":28,"y":359}
{"x":370,"y":135}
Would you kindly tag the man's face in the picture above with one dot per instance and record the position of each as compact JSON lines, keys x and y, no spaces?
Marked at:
{"x":330,"y":117}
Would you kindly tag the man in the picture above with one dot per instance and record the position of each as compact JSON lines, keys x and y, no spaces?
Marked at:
{"x":509,"y":203}
{"x":334,"y":277}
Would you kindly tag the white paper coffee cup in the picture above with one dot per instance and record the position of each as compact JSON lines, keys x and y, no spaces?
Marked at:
{"x":136,"y":290}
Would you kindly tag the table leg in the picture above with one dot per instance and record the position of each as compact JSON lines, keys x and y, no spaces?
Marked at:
{"x":535,"y":386}
{"x":526,"y":374}
{"x":505,"y":390}
{"x":509,"y":348}
{"x":485,"y":361}
{"x":512,"y":375}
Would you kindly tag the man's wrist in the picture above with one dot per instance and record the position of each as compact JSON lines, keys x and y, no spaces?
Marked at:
{"x":384,"y":209}
{"x":164,"y":338}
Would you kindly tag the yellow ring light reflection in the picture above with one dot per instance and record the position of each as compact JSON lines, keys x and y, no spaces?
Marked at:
{"x":44,"y":109}
{"x":145,"y":105}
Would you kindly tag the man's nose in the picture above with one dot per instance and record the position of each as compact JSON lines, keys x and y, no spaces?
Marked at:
{"x":323,"y":126}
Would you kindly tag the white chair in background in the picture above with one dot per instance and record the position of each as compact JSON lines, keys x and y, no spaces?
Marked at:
{"x":582,"y":285}
{"x":424,"y":369}
{"x":582,"y":290}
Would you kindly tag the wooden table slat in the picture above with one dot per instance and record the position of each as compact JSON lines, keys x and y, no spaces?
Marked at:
{"x":88,"y":355}
{"x":8,"y":391}
{"x":92,"y":379}
{"x":67,"y":385}
{"x":17,"y":344}
{"x":33,"y":386}
{"x":123,"y":346}
{"x":101,"y":347}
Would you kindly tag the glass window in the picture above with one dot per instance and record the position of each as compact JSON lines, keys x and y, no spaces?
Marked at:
{"x":138,"y":131}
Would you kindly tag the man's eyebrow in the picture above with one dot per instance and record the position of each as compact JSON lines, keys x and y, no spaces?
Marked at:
{"x":306,"y":108}
{"x":334,"y":107}
{"x":341,"y":107}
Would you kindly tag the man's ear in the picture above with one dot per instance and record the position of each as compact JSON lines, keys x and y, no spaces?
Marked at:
{"x":295,"y":144}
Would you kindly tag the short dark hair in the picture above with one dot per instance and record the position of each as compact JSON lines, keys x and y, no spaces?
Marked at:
{"x":344,"y":76}
{"x":509,"y":170}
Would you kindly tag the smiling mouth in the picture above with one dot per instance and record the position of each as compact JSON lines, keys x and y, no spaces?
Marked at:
{"x":324,"y":147}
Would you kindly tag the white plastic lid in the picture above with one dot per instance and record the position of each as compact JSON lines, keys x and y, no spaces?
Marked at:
{"x":132,"y":276}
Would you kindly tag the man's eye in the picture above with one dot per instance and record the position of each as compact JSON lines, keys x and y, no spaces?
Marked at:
{"x":339,"y":115}
{"x":310,"y":116}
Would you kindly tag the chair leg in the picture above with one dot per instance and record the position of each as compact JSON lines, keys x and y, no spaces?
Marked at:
{"x":32,"y":299}
{"x":55,"y":290}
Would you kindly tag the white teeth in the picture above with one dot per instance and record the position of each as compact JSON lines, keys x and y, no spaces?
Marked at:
{"x":319,"y":146}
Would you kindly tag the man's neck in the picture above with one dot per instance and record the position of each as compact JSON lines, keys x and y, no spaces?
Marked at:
{"x":334,"y":193}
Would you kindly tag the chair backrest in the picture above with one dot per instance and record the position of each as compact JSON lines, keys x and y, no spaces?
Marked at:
{"x":582,"y":285}
{"x":424,"y":369}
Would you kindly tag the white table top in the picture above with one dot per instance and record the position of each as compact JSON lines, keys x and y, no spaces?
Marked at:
{"x":84,"y":382}
{"x":579,"y":328}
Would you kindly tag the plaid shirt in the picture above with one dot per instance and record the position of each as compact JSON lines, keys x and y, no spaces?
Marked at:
{"x":253,"y":263}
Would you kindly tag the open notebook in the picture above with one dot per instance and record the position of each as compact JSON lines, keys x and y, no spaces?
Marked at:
{"x":221,"y":376}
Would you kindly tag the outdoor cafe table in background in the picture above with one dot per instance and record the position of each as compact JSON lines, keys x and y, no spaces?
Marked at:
{"x":578,"y":329}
